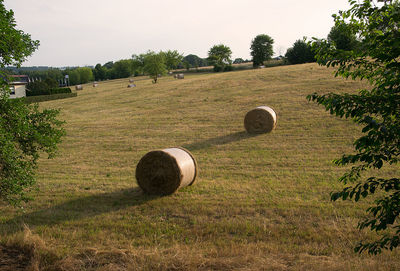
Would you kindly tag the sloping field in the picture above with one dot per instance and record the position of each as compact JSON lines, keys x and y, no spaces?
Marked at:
{"x":259,"y":202}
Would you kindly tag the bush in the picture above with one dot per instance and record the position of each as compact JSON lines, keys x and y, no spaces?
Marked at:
{"x":47,"y":91}
{"x":43,"y":98}
{"x":217,"y":68}
{"x":228,"y":68}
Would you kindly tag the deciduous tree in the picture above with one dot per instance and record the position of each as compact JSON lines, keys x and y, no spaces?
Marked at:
{"x":261,"y":49}
{"x":154,"y":65}
{"x":25,"y":131}
{"x":219,"y":56}
{"x":301,"y":52}
{"x":377,"y":109}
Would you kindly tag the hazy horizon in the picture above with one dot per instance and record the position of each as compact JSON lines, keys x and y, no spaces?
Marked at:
{"x":84,"y":33}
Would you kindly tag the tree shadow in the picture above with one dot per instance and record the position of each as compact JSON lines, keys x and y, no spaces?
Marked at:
{"x":77,"y":209}
{"x":220,"y":140}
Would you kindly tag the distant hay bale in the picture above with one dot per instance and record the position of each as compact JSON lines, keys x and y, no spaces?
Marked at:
{"x":130,"y":80}
{"x":95,"y":84}
{"x":78,"y":87}
{"x":260,"y":120}
{"x":162,"y":172}
{"x":175,"y":76}
{"x":180,"y":76}
{"x":131,"y":85}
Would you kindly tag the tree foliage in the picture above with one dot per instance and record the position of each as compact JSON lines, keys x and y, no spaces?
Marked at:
{"x":219,"y":56}
{"x":261,"y":49}
{"x":301,"y":52}
{"x":172,"y":59}
{"x":377,"y":59}
{"x":342,"y":37}
{"x":25,"y":131}
{"x":154,"y":65}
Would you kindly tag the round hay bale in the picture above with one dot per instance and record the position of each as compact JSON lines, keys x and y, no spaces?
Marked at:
{"x":78,"y":87}
{"x":162,"y":172}
{"x":95,"y":85}
{"x":130,"y":80}
{"x":131,"y":85}
{"x":260,"y":120}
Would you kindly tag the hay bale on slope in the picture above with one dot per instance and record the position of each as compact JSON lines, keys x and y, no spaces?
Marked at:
{"x":78,"y":87}
{"x":162,"y":172}
{"x":131,"y":80}
{"x":131,"y":85}
{"x":260,"y":120}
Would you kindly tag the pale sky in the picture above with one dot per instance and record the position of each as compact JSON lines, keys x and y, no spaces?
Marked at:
{"x":87,"y":32}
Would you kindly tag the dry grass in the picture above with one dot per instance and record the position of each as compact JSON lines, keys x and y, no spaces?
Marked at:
{"x":259,"y":203}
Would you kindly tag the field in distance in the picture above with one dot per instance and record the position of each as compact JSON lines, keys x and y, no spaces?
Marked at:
{"x":259,"y":202}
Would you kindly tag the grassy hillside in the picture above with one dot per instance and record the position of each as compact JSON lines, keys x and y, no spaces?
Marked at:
{"x":259,"y":202}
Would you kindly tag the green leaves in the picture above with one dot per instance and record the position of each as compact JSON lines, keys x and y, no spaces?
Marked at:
{"x":375,"y":57}
{"x":25,"y":131}
{"x":261,"y":49}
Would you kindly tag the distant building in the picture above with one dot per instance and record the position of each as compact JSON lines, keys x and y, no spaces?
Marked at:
{"x":18,"y":86}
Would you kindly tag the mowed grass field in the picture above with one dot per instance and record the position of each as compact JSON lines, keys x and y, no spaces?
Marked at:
{"x":259,"y":202}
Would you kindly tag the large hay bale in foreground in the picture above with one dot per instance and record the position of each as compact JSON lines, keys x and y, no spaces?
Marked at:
{"x":162,"y":172}
{"x":260,"y":120}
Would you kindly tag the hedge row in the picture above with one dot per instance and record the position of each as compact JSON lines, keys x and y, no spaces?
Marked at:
{"x":43,"y":98}
{"x":48,"y":91}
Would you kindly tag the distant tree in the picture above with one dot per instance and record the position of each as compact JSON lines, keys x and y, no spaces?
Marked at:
{"x":99,"y":72}
{"x":25,"y":131}
{"x":219,"y":56}
{"x":377,"y":60}
{"x":51,"y":83}
{"x":342,"y":37}
{"x":154,"y":65}
{"x":261,"y":49}
{"x":186,"y":65}
{"x":195,"y":61}
{"x":301,"y":52}
{"x":238,"y":60}
{"x":108,"y":65}
{"x":53,"y":73}
{"x":123,"y":68}
{"x":74,"y":77}
{"x":138,"y":63}
{"x":85,"y":74}
{"x":172,"y":59}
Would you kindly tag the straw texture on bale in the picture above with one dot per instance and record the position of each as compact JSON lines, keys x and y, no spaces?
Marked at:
{"x":260,"y":120}
{"x":163,"y":172}
{"x":78,"y":87}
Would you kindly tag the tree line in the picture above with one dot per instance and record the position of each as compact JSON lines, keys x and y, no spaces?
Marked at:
{"x":219,"y":56}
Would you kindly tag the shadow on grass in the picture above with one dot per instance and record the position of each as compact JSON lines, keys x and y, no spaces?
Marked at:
{"x":77,"y":209}
{"x":220,"y":140}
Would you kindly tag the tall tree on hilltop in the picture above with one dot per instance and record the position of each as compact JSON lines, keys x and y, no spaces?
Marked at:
{"x":377,"y":59}
{"x":261,"y":49}
{"x":25,"y":131}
